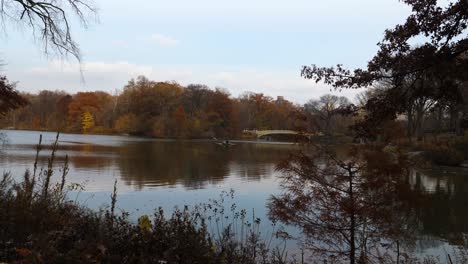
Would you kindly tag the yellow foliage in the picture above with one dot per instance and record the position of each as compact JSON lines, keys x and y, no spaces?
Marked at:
{"x":144,"y":223}
{"x":87,"y":121}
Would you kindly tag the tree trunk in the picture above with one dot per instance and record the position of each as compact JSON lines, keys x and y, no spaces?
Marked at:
{"x":352,"y":244}
{"x":453,"y":118}
{"x":419,"y":122}
{"x":464,"y":108}
{"x":409,"y":133}
{"x":440,"y":124}
{"x":458,"y":121}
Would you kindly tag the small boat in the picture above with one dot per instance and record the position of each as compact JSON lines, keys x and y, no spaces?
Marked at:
{"x":225,"y":143}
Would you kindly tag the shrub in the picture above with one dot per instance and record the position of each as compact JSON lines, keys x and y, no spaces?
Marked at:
{"x":462,"y":146}
{"x":445,"y":155}
{"x":446,"y":151}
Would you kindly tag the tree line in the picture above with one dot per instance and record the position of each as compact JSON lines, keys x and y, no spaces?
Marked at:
{"x":169,"y":110}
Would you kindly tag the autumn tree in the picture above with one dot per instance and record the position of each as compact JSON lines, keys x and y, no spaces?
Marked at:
{"x":44,"y":106}
{"x":152,"y":102}
{"x":195,"y":98}
{"x":438,"y":66}
{"x":87,"y":121}
{"x":126,"y":124}
{"x":82,"y":102}
{"x":138,"y":98}
{"x":209,"y":112}
{"x":255,"y":110}
{"x":258,"y":111}
{"x":48,"y":110}
{"x":284,"y":114}
{"x":179,"y":119}
{"x":105,"y":117}
{"x":219,"y":111}
{"x":62,"y":107}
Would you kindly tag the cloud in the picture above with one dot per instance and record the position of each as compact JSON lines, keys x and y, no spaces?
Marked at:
{"x":91,"y":76}
{"x":163,"y":40}
{"x":275,"y":83}
{"x":92,"y":68}
{"x":226,"y":77}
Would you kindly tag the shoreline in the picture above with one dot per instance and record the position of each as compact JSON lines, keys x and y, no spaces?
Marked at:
{"x":245,"y":141}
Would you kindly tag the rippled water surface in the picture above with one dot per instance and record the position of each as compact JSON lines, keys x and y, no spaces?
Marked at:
{"x":152,"y":173}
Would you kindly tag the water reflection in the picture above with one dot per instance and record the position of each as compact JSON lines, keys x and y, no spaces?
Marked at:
{"x":148,"y":163}
{"x":155,"y":173}
{"x":444,"y":213}
{"x":193,"y":164}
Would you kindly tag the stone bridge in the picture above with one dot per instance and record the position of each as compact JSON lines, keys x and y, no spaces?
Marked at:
{"x":264,"y":133}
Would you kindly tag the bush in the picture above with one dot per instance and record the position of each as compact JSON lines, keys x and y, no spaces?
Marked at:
{"x":446,"y":151}
{"x":444,"y":155}
{"x":462,"y":146}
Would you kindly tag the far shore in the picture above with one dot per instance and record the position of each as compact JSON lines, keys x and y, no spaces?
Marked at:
{"x":205,"y":139}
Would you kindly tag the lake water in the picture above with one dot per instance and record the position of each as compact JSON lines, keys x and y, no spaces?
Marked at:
{"x":152,"y":173}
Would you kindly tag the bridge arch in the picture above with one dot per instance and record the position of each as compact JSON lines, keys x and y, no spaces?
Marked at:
{"x":271,"y":133}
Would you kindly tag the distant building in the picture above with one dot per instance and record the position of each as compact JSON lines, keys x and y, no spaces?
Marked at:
{"x":280,"y":99}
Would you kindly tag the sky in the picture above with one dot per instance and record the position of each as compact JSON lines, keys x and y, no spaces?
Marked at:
{"x":243,"y":45}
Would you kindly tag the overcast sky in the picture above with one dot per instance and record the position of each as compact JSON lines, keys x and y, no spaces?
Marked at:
{"x":242,"y":45}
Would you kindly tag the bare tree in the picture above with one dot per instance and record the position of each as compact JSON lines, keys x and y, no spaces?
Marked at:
{"x":50,"y":21}
{"x":326,"y":108}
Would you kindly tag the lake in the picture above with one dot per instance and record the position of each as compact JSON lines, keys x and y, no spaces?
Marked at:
{"x":167,"y":173}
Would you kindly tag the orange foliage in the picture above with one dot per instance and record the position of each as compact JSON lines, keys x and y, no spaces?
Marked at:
{"x":82,"y":102}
